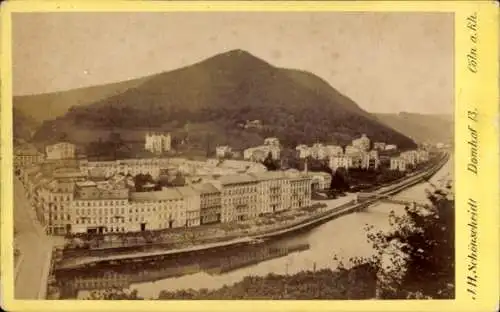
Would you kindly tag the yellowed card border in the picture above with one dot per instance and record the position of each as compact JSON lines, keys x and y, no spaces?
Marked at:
{"x":480,"y":90}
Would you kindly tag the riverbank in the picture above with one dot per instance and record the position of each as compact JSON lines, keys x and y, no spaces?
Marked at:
{"x":298,"y":222}
{"x":356,"y":283}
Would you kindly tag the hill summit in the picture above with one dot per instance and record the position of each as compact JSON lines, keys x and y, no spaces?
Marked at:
{"x":213,"y":98}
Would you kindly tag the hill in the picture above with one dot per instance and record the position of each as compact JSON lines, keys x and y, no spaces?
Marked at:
{"x":24,"y":126}
{"x":421,"y":127}
{"x":205,"y":104}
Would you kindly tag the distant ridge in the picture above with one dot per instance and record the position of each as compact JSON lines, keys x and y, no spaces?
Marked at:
{"x":421,"y":127}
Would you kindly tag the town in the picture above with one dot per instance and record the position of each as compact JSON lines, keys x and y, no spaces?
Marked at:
{"x":72,"y":194}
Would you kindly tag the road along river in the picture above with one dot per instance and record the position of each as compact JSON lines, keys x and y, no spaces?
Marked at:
{"x":344,"y":237}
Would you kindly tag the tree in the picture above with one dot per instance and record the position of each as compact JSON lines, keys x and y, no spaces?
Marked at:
{"x":340,"y":180}
{"x":269,"y":162}
{"x":140,"y":180}
{"x":415,"y":259}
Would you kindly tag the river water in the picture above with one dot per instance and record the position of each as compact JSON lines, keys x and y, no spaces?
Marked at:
{"x":343,"y":237}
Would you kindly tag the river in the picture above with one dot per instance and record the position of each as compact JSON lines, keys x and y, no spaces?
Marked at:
{"x":344,"y":237}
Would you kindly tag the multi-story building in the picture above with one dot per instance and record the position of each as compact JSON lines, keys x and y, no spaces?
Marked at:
{"x":356,"y":155}
{"x":363,"y":143}
{"x":137,"y":211}
{"x":370,"y":160}
{"x":59,"y":197}
{"x":99,"y":209}
{"x":317,"y":151}
{"x":334,"y":150}
{"x":27,"y":155}
{"x":379,"y":146}
{"x":157,"y":210}
{"x":423,"y":155}
{"x":62,"y":150}
{"x":300,"y":189}
{"x":352,"y":151}
{"x":158,"y":143}
{"x":411,"y":157}
{"x":239,"y":197}
{"x":105,"y":169}
{"x":260,"y":153}
{"x":273,"y":192}
{"x":223,"y":151}
{"x":398,"y":163}
{"x":192,"y":205}
{"x":210,"y":203}
{"x":343,"y":161}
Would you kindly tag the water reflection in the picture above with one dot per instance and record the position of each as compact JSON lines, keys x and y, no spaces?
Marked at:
{"x":344,"y":237}
{"x":73,"y":282}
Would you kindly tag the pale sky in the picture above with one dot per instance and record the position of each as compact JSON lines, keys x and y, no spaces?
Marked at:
{"x":385,"y":62}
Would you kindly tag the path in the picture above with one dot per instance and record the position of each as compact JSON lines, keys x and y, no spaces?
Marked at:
{"x":35,"y":247}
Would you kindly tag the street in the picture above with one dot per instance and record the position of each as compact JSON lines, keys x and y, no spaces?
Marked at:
{"x":35,"y":248}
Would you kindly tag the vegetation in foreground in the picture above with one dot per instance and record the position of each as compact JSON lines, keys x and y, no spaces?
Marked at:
{"x":415,"y":260}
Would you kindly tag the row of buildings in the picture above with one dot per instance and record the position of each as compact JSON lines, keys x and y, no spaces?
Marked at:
{"x":358,"y":152}
{"x":259,"y":153}
{"x":67,"y":200}
{"x":409,"y":159}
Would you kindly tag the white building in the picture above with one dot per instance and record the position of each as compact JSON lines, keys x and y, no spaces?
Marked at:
{"x":423,"y":155}
{"x":192,"y":204}
{"x":379,"y":146}
{"x":304,"y":151}
{"x":370,"y":160}
{"x":411,"y":157}
{"x":300,"y":189}
{"x":363,"y":143}
{"x":343,"y":161}
{"x":27,"y":155}
{"x":63,"y":150}
{"x":317,"y":151}
{"x":259,"y":153}
{"x":239,"y":197}
{"x":398,"y":163}
{"x":273,"y":192}
{"x":391,"y":147}
{"x":352,"y":151}
{"x":334,"y":150}
{"x":223,"y":151}
{"x":272,"y":141}
{"x":158,"y":143}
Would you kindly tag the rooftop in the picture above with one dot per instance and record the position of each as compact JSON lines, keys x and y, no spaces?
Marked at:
{"x":186,"y":191}
{"x":206,"y":188}
{"x":268,"y":175}
{"x":85,"y":184}
{"x":236,"y":179}
{"x":164,"y":194}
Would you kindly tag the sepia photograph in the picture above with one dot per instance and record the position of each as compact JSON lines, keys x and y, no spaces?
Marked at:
{"x":233,"y":155}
